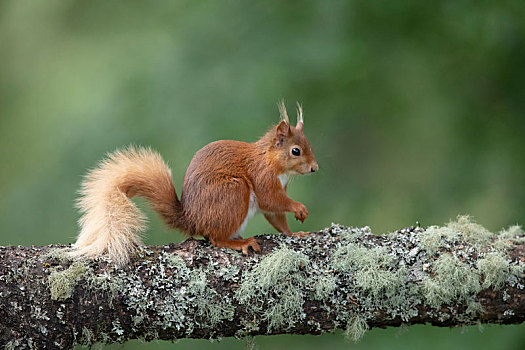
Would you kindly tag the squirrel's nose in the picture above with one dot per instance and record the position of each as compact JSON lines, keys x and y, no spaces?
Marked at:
{"x":314,"y":168}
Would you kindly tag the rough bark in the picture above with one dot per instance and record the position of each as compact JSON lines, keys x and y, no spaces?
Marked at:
{"x":337,"y":278}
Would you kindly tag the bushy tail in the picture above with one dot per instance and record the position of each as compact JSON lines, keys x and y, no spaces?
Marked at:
{"x":111,"y":223}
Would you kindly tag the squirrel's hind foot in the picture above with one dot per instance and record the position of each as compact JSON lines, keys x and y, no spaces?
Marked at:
{"x":299,"y":234}
{"x":239,"y":244}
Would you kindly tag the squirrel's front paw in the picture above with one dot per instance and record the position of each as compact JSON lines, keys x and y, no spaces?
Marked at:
{"x":300,"y":212}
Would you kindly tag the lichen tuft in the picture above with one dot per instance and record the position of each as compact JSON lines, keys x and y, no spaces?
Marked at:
{"x":276,"y":281}
{"x":62,"y":255}
{"x":274,"y":267}
{"x":356,"y":328}
{"x":250,"y":344}
{"x":494,"y":268}
{"x":323,"y":285}
{"x":472,"y":232}
{"x":513,"y":234}
{"x":351,"y":257}
{"x":434,"y":237}
{"x":88,"y":338}
{"x":106,"y":282}
{"x":61,"y":283}
{"x":208,"y":301}
{"x":380,"y":283}
{"x":373,"y":271}
{"x":453,"y":280}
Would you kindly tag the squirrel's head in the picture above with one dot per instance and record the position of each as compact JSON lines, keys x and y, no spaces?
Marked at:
{"x":292,"y":146}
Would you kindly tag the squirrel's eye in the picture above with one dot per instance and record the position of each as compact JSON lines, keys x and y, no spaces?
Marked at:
{"x":296,"y":151}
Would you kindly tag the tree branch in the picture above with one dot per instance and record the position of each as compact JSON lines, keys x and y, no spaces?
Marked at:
{"x":340,"y":277}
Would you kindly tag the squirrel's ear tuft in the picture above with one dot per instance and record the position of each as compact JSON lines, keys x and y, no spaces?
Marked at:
{"x":300,"y":121}
{"x":282,"y":112}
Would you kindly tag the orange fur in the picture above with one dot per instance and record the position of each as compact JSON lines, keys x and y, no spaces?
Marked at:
{"x":225,"y":183}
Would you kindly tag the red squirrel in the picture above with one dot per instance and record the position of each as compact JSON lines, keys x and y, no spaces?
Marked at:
{"x":226,"y":183}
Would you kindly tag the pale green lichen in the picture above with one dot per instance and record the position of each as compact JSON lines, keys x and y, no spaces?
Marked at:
{"x":349,"y":234}
{"x":474,"y":308}
{"x":432,"y":239}
{"x":116,"y":328}
{"x":10,"y":345}
{"x":88,"y":337}
{"x":287,"y":311}
{"x":471,"y":232}
{"x":323,"y":285}
{"x":276,"y":280}
{"x":463,"y":229}
{"x":403,"y":328}
{"x":373,"y":271}
{"x":38,"y":314}
{"x":494,"y":268}
{"x":375,"y":281}
{"x":167,"y":294}
{"x":173,"y":261}
{"x":198,"y":281}
{"x":517,"y":271}
{"x":23,"y":271}
{"x":381,"y":283}
{"x":452,"y":280}
{"x":208,"y":302}
{"x":272,"y":268}
{"x":105,"y":282}
{"x":356,"y":328}
{"x":174,"y":296}
{"x":250,"y":344}
{"x":506,"y":237}
{"x":61,"y":283}
{"x":352,"y":257}
{"x":62,"y":255}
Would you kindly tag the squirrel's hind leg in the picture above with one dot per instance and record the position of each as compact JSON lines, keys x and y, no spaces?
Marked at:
{"x":228,"y":214}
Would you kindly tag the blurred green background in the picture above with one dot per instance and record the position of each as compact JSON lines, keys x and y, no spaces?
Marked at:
{"x":415,"y":111}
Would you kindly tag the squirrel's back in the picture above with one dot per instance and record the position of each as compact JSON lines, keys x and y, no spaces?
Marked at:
{"x":110,"y":221}
{"x":217,"y":159}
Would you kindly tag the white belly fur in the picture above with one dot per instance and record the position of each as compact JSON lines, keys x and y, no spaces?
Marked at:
{"x":253,"y":207}
{"x":284,"y":179}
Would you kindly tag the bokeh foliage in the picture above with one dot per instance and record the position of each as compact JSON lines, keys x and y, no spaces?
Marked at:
{"x":415,"y":110}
